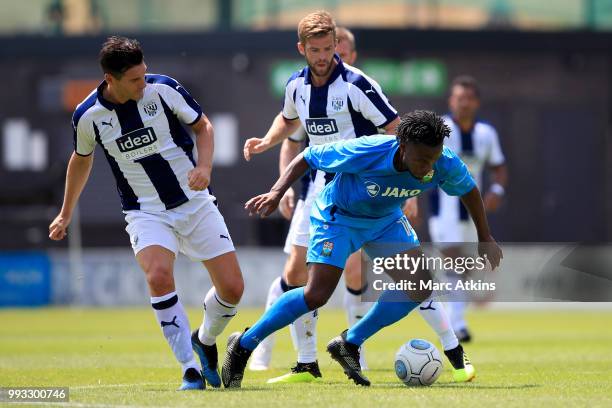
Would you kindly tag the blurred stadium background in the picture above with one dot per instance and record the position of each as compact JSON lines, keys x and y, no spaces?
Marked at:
{"x":545,"y":69}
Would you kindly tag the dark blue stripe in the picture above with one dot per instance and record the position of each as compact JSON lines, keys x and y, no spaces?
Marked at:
{"x":364,"y":85}
{"x":305,"y":183}
{"x":174,"y":84}
{"x":329,"y":177}
{"x":164,"y":180}
{"x":157,"y":168}
{"x":210,"y":191}
{"x":362,"y":126}
{"x":305,"y":180}
{"x":467,"y":142}
{"x":79,"y":112}
{"x":317,"y":106}
{"x":179,"y":135}
{"x":165,"y":304}
{"x":129,"y":201}
{"x":463,"y":213}
{"x":129,"y":117}
{"x":434,"y":202}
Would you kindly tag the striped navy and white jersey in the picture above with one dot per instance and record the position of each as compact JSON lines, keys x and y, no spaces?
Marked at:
{"x":349,"y":105}
{"x":148,"y":149}
{"x":478,"y":147}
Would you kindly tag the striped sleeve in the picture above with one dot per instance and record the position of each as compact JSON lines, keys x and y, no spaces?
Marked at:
{"x":289,"y":110}
{"x":182,"y":104}
{"x":84,"y":140}
{"x":368,"y":98}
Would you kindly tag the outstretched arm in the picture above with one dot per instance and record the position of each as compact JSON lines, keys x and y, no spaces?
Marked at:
{"x":79,"y":168}
{"x":289,"y":150}
{"x":265,"y":204}
{"x":281,"y":129}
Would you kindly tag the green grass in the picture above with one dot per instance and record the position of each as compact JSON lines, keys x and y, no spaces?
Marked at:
{"x":118,"y":357}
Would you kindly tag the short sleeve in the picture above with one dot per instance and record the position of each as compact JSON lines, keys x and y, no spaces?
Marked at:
{"x":456,"y":180}
{"x":289,"y":110}
{"x":178,"y":99}
{"x":368,"y":98}
{"x":83,"y":138}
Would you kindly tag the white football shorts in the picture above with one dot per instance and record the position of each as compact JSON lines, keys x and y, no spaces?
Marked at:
{"x":196,"y":228}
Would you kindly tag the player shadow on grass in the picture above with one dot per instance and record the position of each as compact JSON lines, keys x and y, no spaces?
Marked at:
{"x":462,"y":385}
{"x":209,"y":389}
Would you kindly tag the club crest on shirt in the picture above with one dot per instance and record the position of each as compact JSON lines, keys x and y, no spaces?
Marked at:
{"x":337,"y":102}
{"x":328,"y":247}
{"x":428,"y":177}
{"x":372,"y":188}
{"x":150,"y":108}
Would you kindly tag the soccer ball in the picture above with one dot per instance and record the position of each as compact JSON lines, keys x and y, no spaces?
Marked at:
{"x":418,"y":362}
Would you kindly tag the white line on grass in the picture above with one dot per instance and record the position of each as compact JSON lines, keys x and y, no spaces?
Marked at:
{"x":88,"y":387}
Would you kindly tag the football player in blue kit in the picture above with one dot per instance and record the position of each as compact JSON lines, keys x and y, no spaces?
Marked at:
{"x":361,"y":208}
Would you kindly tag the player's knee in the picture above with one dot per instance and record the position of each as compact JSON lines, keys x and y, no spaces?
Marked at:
{"x":295,"y":273}
{"x":233,"y":292}
{"x":159,"y":276}
{"x":315,"y":298}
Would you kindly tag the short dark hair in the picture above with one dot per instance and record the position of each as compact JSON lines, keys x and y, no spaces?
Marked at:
{"x":118,"y":54}
{"x":467,"y":81}
{"x":424,"y":127}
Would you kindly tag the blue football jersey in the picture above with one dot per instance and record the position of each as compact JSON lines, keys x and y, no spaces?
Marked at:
{"x":367,"y":185}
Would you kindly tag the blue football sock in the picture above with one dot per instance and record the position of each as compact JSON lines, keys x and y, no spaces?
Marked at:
{"x":283,"y":312}
{"x":391,"y":307}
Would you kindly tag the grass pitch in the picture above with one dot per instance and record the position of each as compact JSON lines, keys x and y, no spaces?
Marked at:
{"x":112,"y":357}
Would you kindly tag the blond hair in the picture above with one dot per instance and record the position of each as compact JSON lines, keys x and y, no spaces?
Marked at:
{"x":317,"y":24}
{"x":344,"y":34}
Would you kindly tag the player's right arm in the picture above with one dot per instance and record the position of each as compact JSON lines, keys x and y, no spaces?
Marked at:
{"x":284,"y":124}
{"x":289,"y":151}
{"x":265,"y":204}
{"x":79,"y":168}
{"x":280,"y":130}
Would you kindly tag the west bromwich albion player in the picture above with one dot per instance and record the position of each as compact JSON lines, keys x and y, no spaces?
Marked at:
{"x":137,"y":118}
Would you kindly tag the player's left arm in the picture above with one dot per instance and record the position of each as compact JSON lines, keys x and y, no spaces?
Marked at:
{"x":457,"y":181}
{"x":265,"y":204}
{"x":199,"y":177}
{"x":475,"y":206}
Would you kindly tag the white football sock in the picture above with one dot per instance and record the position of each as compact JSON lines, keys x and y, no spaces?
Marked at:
{"x":217,"y":314}
{"x":175,"y":325}
{"x":435,"y":315}
{"x":304,"y":336}
{"x":456,"y":304}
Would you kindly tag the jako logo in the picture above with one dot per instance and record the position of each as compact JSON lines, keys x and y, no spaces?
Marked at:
{"x":372,"y":188}
{"x":321,"y":126}
{"x":400,"y":192}
{"x":136,"y":139}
